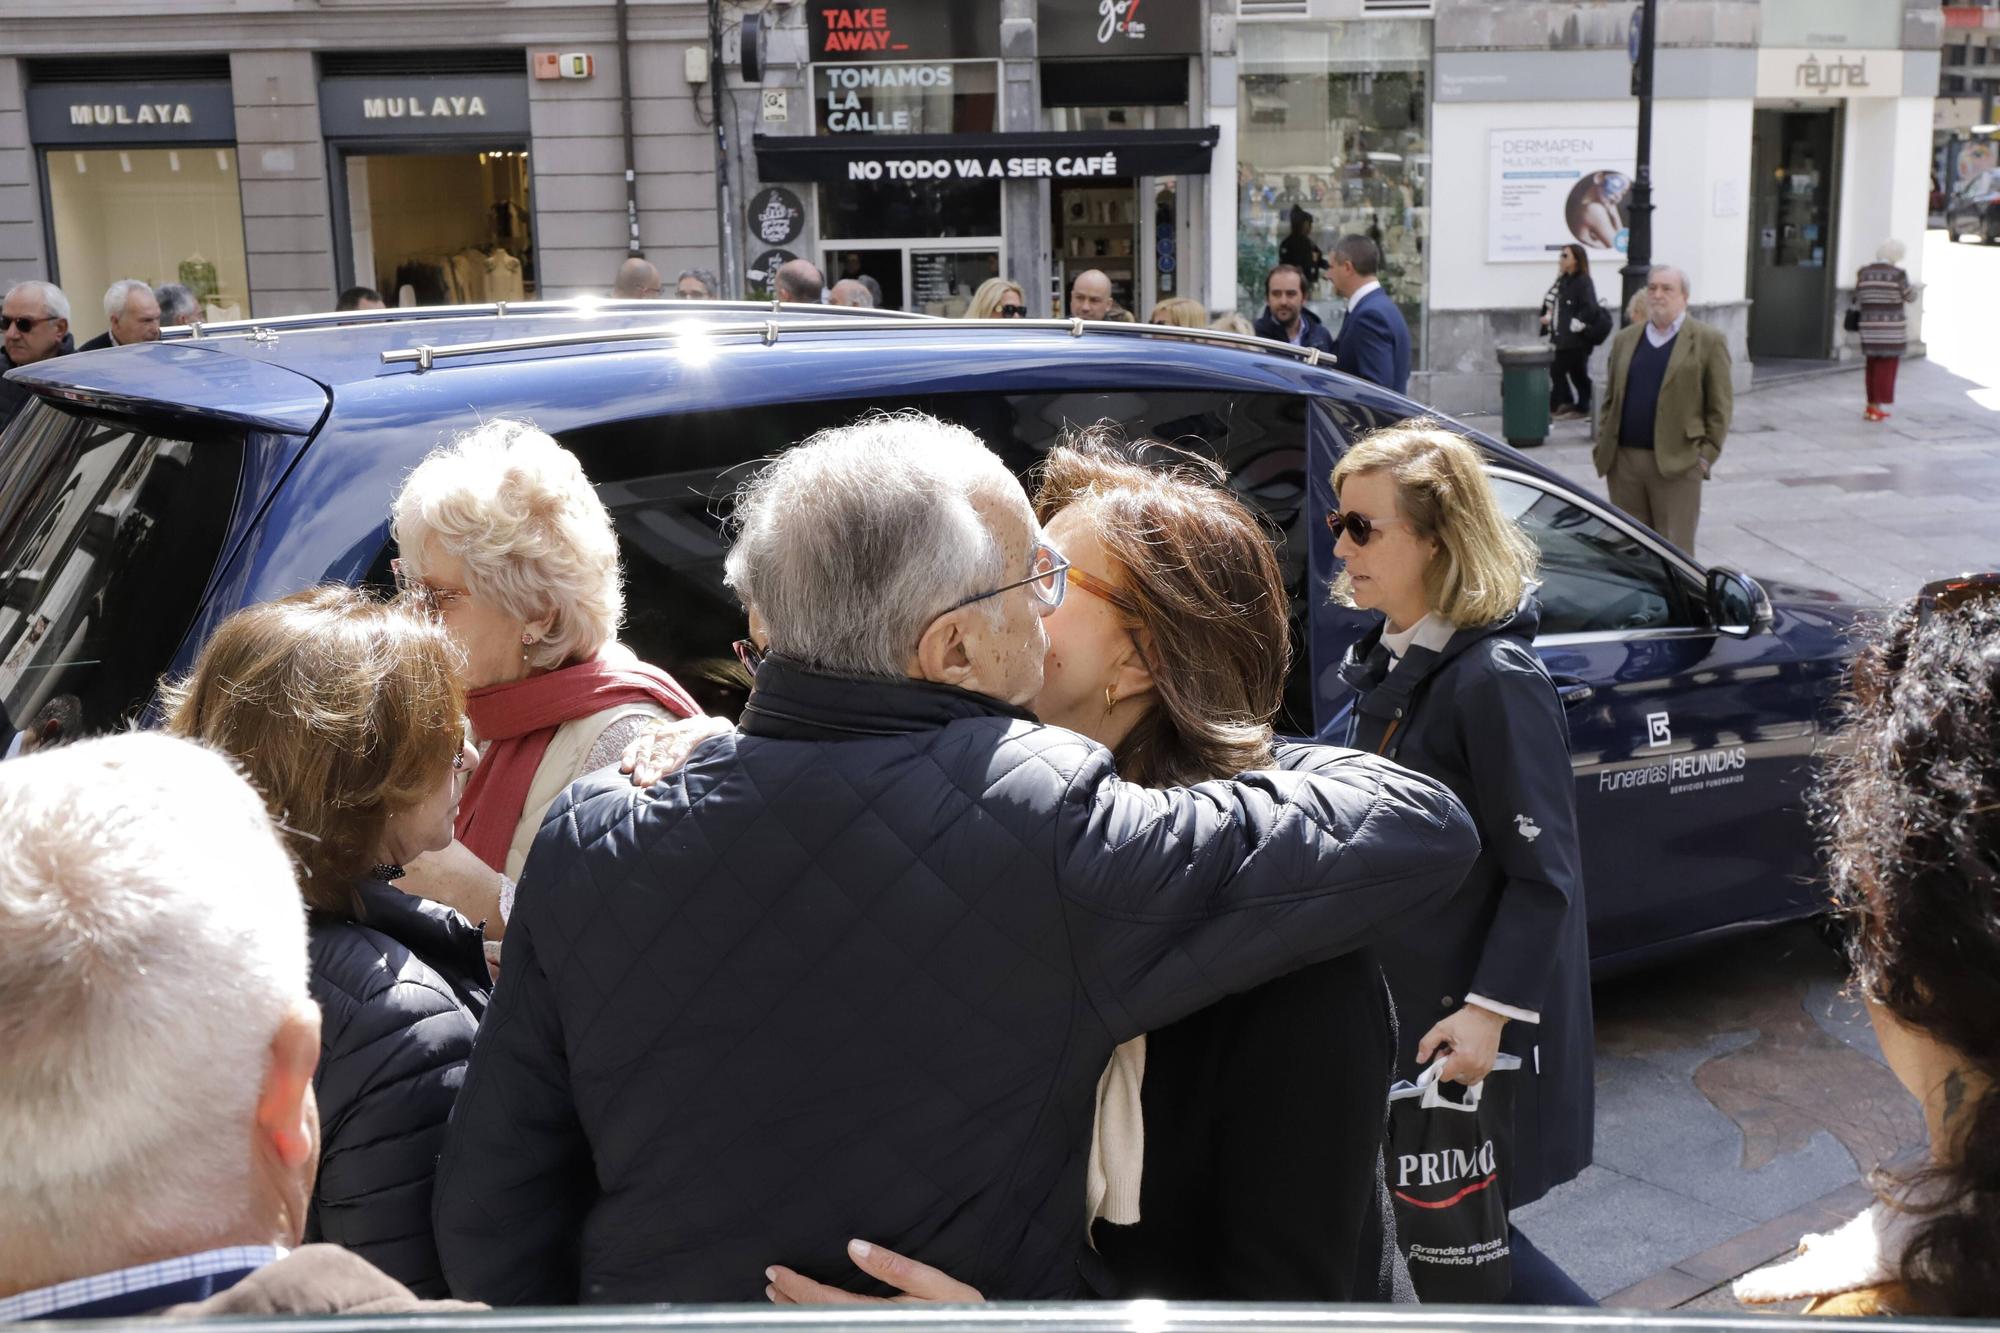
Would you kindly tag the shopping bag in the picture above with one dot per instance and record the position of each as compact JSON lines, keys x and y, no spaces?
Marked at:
{"x":1448,"y":1159}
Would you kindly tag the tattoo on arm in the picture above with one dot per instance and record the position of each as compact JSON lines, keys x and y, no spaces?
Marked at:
{"x":1954,"y":1095}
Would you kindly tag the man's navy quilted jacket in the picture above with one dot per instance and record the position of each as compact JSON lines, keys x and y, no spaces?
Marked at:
{"x":855,"y":971}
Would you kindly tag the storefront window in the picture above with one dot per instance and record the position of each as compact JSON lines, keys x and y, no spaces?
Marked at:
{"x":451,"y":227}
{"x":159,"y":214}
{"x":1333,"y":138}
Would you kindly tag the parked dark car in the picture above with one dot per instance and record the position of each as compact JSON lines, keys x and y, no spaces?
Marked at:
{"x":1974,"y":209}
{"x":152,"y":490}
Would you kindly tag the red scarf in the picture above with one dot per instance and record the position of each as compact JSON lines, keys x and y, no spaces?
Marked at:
{"x":517,"y":721}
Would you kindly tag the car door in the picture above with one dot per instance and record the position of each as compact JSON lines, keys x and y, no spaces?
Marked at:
{"x":1691,"y":748}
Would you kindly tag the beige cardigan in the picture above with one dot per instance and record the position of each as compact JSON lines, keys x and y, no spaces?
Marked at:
{"x":567,"y":759}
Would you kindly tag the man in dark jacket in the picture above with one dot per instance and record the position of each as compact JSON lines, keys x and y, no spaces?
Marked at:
{"x":1374,"y":341}
{"x":1285,"y":318}
{"x":34,"y":326}
{"x":134,"y":315}
{"x":158,"y":1132}
{"x":856,"y":969}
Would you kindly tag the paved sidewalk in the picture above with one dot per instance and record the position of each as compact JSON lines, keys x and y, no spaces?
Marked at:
{"x":1808,"y":492}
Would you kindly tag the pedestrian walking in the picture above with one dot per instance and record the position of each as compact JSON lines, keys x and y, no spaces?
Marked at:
{"x":1881,"y":290}
{"x":502,"y":537}
{"x":1449,"y":684}
{"x":1286,"y":318}
{"x":1574,"y":323}
{"x":34,"y":326}
{"x":1909,"y":806}
{"x":1238,"y":1152}
{"x":858,"y":969}
{"x":133,"y":314}
{"x":1300,"y":250}
{"x":347,"y":714}
{"x":1666,"y":412}
{"x":1374,"y":340}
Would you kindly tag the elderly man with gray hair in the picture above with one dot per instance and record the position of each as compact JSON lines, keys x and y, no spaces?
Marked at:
{"x":133,"y":313}
{"x":857,"y":967}
{"x":34,"y":327}
{"x":158,"y":1131}
{"x":1666,"y":411}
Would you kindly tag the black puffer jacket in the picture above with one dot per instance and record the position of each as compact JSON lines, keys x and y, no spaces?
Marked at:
{"x":400,"y":996}
{"x":1483,"y":717}
{"x":856,"y":970}
{"x":14,"y":395}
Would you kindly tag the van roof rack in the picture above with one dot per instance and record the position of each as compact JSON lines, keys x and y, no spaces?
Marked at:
{"x":500,"y":310}
{"x":771,"y":330}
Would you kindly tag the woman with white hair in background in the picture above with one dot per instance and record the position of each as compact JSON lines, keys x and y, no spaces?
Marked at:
{"x":502,"y":537}
{"x":1881,"y":290}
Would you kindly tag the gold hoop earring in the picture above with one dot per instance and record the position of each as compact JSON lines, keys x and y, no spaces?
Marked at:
{"x":1110,"y":697}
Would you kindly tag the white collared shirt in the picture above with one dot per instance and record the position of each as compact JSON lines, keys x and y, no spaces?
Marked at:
{"x":142,"y":1277}
{"x":1658,"y":339}
{"x":1369,"y":286}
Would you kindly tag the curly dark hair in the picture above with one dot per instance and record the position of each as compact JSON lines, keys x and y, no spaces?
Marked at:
{"x":1911,"y":815}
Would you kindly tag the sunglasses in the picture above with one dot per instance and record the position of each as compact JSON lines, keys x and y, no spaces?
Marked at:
{"x":749,"y":654}
{"x":1949,"y":594}
{"x":25,"y":323}
{"x":1013,"y":312}
{"x":429,"y":596}
{"x":1358,"y":526}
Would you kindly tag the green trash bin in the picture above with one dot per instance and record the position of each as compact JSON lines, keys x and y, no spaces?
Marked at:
{"x":1524,"y":393}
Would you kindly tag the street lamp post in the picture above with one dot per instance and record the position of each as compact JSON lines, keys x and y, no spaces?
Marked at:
{"x":1639,"y":212}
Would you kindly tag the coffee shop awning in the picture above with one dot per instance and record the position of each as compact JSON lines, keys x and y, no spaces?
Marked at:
{"x":1037,"y":155}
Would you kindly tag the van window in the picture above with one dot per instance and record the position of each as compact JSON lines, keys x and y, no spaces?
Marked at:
{"x":668,"y":483}
{"x":108,"y":535}
{"x":1596,"y":578}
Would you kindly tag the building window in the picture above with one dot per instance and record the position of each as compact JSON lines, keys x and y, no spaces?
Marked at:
{"x":1333,"y":137}
{"x":158,"y":214}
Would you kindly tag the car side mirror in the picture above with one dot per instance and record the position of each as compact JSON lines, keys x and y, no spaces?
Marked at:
{"x":1737,"y":604}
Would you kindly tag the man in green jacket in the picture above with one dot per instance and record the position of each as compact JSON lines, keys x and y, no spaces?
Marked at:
{"x":1666,"y":411}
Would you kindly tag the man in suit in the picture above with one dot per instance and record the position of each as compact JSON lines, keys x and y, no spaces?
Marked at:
{"x":1666,"y":411}
{"x":133,"y":312}
{"x":1373,"y":342}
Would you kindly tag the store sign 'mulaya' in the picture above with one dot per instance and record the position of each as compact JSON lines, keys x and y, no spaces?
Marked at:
{"x":422,"y":108}
{"x":146,"y":113}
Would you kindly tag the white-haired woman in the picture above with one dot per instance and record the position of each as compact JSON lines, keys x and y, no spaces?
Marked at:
{"x":1881,"y":290}
{"x":1449,"y":685}
{"x":503,"y":537}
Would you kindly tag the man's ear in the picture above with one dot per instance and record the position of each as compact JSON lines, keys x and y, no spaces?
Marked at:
{"x":759,"y":632}
{"x":287,"y":1117}
{"x":942,"y":655}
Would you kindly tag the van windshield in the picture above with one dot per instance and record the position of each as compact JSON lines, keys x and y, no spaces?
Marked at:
{"x":108,"y":535}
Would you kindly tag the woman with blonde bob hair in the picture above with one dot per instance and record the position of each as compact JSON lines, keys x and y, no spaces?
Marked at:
{"x":347,"y":715}
{"x":997,"y":298}
{"x":502,"y":537}
{"x":1449,"y":684}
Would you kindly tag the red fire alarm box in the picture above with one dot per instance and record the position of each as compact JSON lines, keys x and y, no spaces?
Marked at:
{"x":547,"y":65}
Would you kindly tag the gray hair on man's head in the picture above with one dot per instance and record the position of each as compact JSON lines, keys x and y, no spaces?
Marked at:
{"x":1661,"y":270}
{"x":849,"y":545}
{"x":177,"y":303}
{"x":54,"y":303}
{"x":702,"y":276}
{"x":119,"y":292}
{"x":152,"y":943}
{"x":1891,"y":251}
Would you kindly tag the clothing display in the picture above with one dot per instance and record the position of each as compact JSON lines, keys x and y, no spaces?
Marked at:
{"x":452,"y":228}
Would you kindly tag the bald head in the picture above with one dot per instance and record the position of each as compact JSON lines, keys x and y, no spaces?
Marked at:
{"x":637,"y":281}
{"x":801,"y":281}
{"x":1090,"y":295}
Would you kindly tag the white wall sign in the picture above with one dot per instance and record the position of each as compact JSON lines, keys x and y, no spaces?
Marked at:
{"x":1547,"y":188}
{"x":777,"y":106}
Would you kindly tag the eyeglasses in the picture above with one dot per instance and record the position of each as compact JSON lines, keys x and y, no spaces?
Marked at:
{"x":1358,"y":526}
{"x":1103,"y":591}
{"x":1048,"y":579}
{"x":1013,"y":312}
{"x":1950,"y":594}
{"x":25,"y":323}
{"x":427,"y":595}
{"x":749,"y":654}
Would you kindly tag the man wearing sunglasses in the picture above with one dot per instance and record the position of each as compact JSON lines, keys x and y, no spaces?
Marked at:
{"x":35,"y":320}
{"x":857,"y":968}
